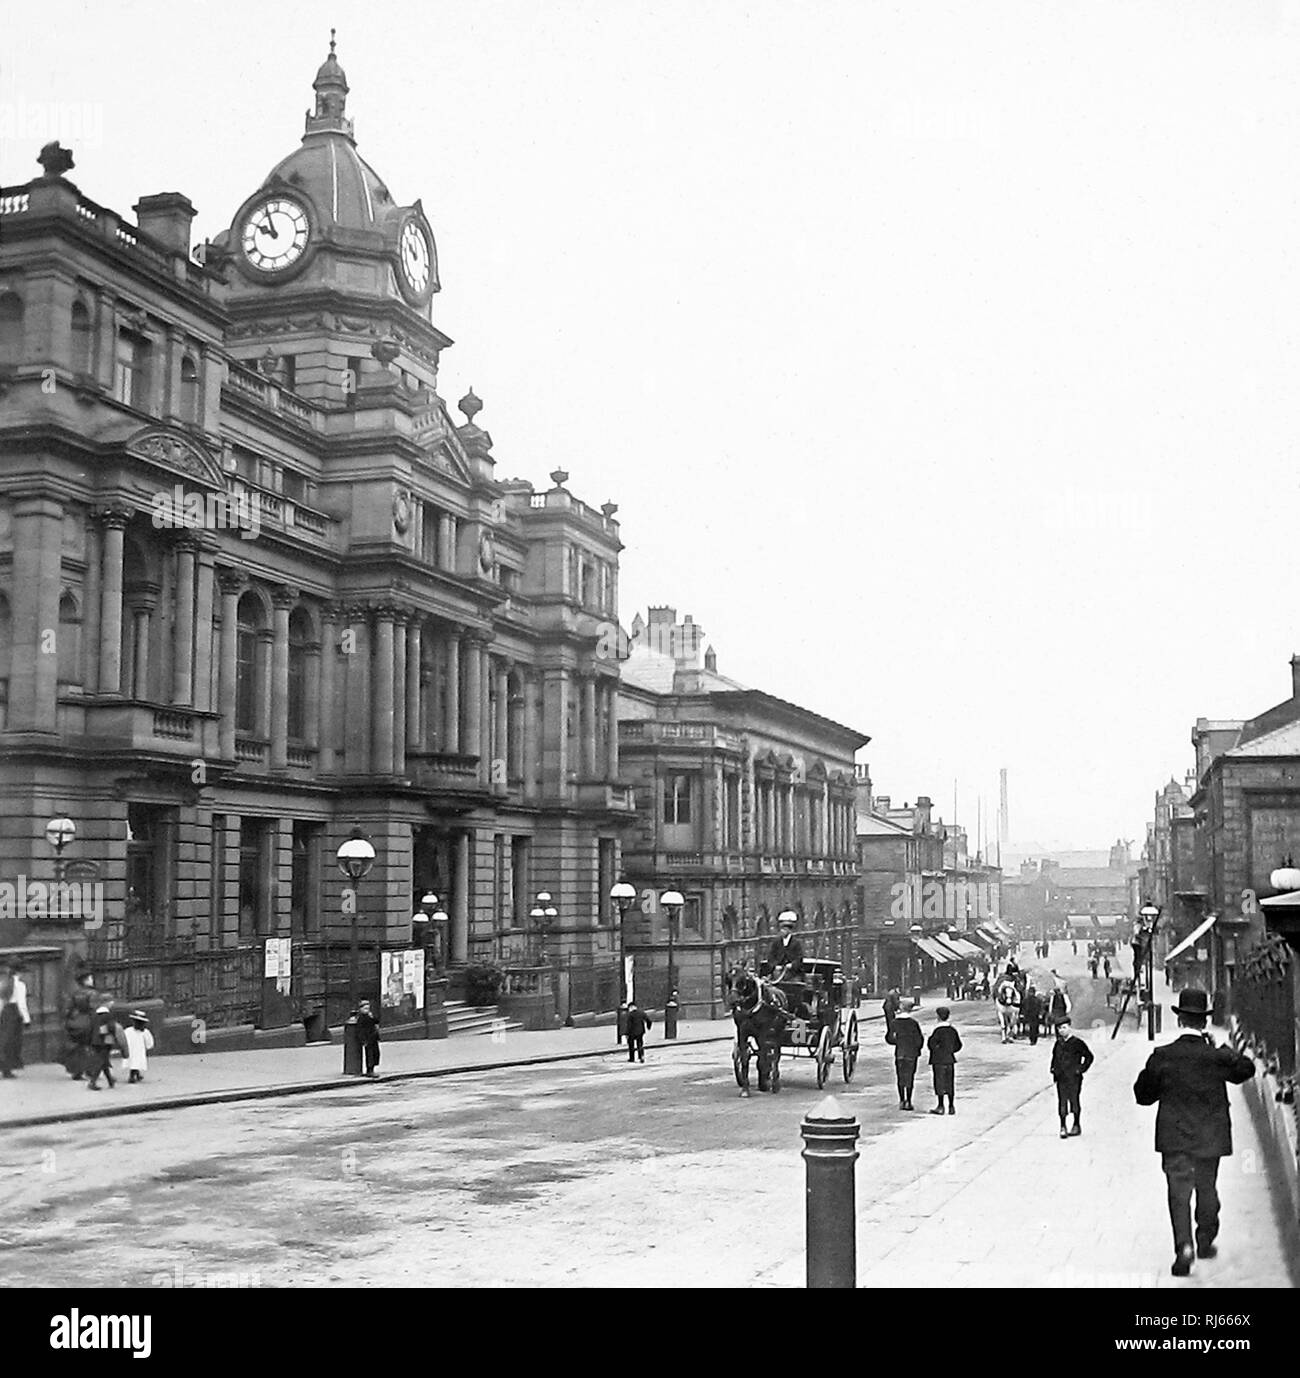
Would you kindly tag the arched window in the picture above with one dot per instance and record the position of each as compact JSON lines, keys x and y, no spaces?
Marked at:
{"x":80,"y":338}
{"x":189,"y":390}
{"x":249,"y":620}
{"x":299,"y":640}
{"x":69,"y":640}
{"x":11,"y":328}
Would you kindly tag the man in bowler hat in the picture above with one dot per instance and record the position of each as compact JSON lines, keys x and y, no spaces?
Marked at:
{"x":638,"y":1021}
{"x":1071,"y":1058}
{"x":1188,"y":1080}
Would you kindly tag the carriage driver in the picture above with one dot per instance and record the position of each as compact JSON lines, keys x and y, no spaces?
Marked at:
{"x":786,"y":953}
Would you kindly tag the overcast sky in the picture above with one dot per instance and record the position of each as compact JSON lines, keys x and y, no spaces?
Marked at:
{"x":941,"y":357}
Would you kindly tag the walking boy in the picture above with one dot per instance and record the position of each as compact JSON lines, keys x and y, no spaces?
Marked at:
{"x":908,"y":1040}
{"x":1071,"y":1058}
{"x":637,"y":1023}
{"x":105,"y":1036}
{"x":944,"y":1044}
{"x":1188,"y":1078}
{"x":138,"y":1043}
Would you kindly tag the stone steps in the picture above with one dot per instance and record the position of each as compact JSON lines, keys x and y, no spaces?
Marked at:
{"x":476,"y":1019}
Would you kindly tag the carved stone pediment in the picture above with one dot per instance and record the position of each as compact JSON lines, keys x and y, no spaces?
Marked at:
{"x":177,"y":453}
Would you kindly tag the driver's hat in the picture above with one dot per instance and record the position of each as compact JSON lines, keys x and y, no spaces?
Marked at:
{"x":787,"y":918}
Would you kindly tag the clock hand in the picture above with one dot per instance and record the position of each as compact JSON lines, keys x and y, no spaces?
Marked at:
{"x":266,"y":227}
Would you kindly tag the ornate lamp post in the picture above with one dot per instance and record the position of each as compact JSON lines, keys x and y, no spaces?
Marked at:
{"x":1150,"y":916}
{"x":355,"y":858}
{"x":673,"y":903}
{"x":624,"y":895}
{"x":542,"y":912}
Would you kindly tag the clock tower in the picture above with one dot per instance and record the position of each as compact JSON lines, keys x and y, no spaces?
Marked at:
{"x":331,"y":280}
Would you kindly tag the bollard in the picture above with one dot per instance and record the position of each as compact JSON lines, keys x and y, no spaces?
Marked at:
{"x":830,"y":1139}
{"x":351,"y":1047}
{"x":670,"y":1016}
{"x":622,"y":1022}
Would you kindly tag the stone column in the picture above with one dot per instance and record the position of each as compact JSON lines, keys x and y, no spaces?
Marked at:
{"x":461,"y":914}
{"x":588,"y":728}
{"x":414,"y":700}
{"x":327,"y":744}
{"x":501,"y":743}
{"x":106,"y":353}
{"x":311,"y":695}
{"x":281,"y":600}
{"x":187,"y":551}
{"x":110,"y":603}
{"x":399,"y":691}
{"x":382,"y":666}
{"x":719,"y":807}
{"x":37,"y":545}
{"x":357,"y":711}
{"x":446,"y":542}
{"x":530,"y":735}
{"x":203,"y":626}
{"x":472,"y":728}
{"x":611,"y":733}
{"x":231,"y":583}
{"x":265,"y":675}
{"x":173,"y":352}
{"x":451,"y":696}
{"x":90,"y":605}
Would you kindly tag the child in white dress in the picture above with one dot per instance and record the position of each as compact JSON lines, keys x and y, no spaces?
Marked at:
{"x":138,"y":1042}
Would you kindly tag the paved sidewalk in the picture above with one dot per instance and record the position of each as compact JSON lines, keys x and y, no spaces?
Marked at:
{"x":45,"y":1094}
{"x":945,"y":1202}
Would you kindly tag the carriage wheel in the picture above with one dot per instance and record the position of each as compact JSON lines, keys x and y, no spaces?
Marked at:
{"x":740,"y":1063}
{"x":851,"y":1047}
{"x":823,"y":1056}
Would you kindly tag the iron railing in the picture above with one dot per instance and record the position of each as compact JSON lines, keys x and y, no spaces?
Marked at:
{"x":1263,"y":999}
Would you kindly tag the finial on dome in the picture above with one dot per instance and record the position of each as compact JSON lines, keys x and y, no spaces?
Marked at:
{"x":469,"y":406}
{"x":559,"y":477}
{"x":332,"y":33}
{"x":331,"y":87}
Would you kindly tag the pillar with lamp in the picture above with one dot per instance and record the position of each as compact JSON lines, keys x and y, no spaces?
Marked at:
{"x":624,"y":896}
{"x":59,"y":833}
{"x":673,"y":904}
{"x":429,"y":929}
{"x":542,"y":913}
{"x":355,"y":858}
{"x":1144,"y":953}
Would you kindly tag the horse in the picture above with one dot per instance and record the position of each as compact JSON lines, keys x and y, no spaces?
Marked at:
{"x":1008,"y":1001}
{"x":760,"y":1011}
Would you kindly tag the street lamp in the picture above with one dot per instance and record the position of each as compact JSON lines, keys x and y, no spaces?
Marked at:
{"x":1150,"y":916}
{"x":355,"y":858}
{"x":541,"y":914}
{"x":59,"y":832}
{"x":673,"y":903}
{"x":624,"y":895}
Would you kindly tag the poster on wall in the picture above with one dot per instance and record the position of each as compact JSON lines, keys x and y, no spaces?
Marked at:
{"x":413,"y":975}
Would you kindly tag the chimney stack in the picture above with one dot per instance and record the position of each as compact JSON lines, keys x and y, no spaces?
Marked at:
{"x":1295,"y":677}
{"x":166,"y":218}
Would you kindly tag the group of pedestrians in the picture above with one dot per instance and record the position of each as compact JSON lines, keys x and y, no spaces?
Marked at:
{"x":944,"y":1043}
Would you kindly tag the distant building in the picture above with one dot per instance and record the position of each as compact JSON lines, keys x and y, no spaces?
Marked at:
{"x":744,"y":803}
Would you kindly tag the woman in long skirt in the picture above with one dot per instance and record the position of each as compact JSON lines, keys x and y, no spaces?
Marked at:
{"x":11,"y":1026}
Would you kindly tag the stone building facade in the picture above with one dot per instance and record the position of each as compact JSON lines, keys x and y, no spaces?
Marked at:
{"x":259,"y":588}
{"x":745,"y":803}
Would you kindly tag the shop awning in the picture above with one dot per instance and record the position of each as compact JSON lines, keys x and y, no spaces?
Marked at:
{"x":933,"y":950}
{"x":1289,"y":900}
{"x":964,"y":948}
{"x":999,"y":927}
{"x":1191,"y":937}
{"x":978,"y":935}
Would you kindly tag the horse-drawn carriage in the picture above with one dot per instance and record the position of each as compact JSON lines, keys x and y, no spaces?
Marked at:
{"x":814,"y":1013}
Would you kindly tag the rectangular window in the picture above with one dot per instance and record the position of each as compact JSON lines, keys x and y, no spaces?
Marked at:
{"x":605,"y":880}
{"x":246,"y":679}
{"x":253,"y":837}
{"x":131,"y":379}
{"x":217,"y":873}
{"x":501,"y":880}
{"x":519,"y":853}
{"x":677,"y":799}
{"x":304,"y":882}
{"x":293,"y":486}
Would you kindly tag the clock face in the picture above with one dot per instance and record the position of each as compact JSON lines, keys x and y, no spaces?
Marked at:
{"x":416,"y":257}
{"x":486,"y":554}
{"x":275,"y":234}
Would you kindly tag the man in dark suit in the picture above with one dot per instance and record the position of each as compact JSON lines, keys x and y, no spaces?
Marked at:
{"x":1188,"y":1079}
{"x":637,"y":1024}
{"x":908,"y":1040}
{"x":1031,"y":1013}
{"x":786,"y":953}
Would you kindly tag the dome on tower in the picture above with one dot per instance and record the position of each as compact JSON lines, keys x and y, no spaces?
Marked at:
{"x":344,"y":188}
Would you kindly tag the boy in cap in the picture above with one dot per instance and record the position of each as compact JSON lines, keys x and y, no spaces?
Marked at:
{"x":1071,"y":1058}
{"x":944,"y":1044}
{"x":105,"y":1036}
{"x":1188,"y":1078}
{"x":908,"y":1040}
{"x":139,"y":1040}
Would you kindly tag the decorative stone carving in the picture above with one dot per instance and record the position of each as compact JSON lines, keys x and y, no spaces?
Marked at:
{"x":402,"y":509}
{"x":176,"y":452}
